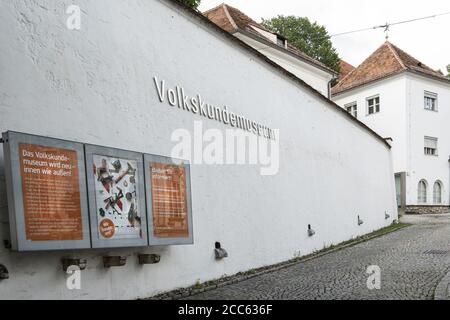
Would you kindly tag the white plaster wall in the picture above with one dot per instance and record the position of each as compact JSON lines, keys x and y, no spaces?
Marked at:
{"x":433,"y":124}
{"x":404,"y":118}
{"x":313,"y":76}
{"x":65,"y":84}
{"x":391,"y":121}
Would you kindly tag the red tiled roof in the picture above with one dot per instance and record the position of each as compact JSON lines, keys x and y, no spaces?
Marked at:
{"x":233,"y":20}
{"x":346,"y":68}
{"x":386,"y":61}
{"x":220,"y":16}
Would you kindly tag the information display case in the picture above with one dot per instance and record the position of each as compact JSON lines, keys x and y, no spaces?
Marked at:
{"x":169,"y":204}
{"x":47,"y":197}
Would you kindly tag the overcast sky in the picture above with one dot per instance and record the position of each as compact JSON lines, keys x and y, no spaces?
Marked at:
{"x":426,"y":40}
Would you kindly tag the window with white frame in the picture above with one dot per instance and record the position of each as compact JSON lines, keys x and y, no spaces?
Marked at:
{"x":431,"y":146}
{"x":422,"y":192}
{"x":352,"y":108}
{"x":373,"y":105}
{"x":430,"y":101}
{"x":437,"y":192}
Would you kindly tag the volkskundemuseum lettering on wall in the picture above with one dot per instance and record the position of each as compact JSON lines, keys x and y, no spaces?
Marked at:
{"x":176,"y":97}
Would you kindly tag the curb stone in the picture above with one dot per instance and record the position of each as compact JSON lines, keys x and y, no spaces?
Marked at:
{"x":219,"y":283}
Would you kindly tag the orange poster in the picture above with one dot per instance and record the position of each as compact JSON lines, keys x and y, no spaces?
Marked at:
{"x":51,"y":193}
{"x":169,"y":201}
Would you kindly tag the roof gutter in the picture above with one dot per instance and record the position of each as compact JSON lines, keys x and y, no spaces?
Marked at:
{"x":416,"y":72}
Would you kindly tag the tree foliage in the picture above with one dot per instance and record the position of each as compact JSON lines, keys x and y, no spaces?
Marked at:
{"x":191,"y":3}
{"x":311,"y":38}
{"x":448,"y":71}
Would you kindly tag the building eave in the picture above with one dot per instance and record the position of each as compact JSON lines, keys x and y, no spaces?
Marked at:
{"x":429,"y":76}
{"x":367,"y":83}
{"x":269,"y":43}
{"x":416,"y":72}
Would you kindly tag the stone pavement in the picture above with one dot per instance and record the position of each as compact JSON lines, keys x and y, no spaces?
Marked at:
{"x":413,"y":261}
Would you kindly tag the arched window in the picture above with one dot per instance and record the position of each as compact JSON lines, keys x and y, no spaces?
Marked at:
{"x":437,"y":192}
{"x":422,"y":192}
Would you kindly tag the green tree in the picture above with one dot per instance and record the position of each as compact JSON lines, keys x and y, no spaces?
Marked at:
{"x":448,"y":70}
{"x":191,"y":3}
{"x":311,"y":38}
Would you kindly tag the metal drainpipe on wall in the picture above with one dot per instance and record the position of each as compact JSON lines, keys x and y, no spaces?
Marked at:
{"x":448,"y":188}
{"x":329,"y":87}
{"x":408,"y":134}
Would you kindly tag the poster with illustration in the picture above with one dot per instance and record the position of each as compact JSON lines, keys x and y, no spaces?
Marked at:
{"x":117,"y":198}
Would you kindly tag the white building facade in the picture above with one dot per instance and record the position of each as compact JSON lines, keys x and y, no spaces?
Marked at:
{"x":96,"y":85}
{"x":274,"y":47}
{"x":411,"y":105}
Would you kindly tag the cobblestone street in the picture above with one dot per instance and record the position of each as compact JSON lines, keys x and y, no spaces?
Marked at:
{"x":412,"y":261}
